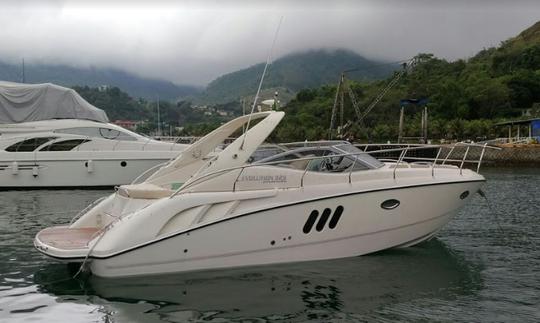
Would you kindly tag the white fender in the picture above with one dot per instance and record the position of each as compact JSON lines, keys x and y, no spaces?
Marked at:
{"x":90,"y":166}
{"x":14,"y":168}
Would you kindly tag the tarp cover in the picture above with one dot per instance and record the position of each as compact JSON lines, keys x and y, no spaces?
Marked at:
{"x":32,"y":102}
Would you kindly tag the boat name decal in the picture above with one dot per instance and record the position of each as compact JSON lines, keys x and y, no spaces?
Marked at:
{"x":265,"y":179}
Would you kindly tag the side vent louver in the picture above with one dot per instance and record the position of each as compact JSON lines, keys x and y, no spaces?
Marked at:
{"x":322,"y":221}
{"x":311,"y":221}
{"x":335,"y":218}
{"x":314,"y":215}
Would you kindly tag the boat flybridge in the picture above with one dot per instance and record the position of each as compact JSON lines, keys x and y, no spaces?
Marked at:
{"x":309,"y":201}
{"x":52,"y":137}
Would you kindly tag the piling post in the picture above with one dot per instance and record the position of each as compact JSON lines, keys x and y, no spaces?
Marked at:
{"x":400,"y":131}
{"x":425,"y":124}
{"x":422,"y":124}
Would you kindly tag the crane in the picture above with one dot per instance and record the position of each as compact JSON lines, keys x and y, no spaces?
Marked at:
{"x":344,"y":87}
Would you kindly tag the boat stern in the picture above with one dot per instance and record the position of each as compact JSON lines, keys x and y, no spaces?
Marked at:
{"x":64,"y":243}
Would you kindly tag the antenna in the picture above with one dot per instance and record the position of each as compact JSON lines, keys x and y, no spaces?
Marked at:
{"x":158,"y":118}
{"x":23,"y":76}
{"x":243,"y":113}
{"x":262,"y":79}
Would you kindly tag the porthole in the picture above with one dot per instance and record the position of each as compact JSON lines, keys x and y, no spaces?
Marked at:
{"x":123,"y":163}
{"x":464,"y":195}
{"x":390,"y":204}
{"x":273,"y":242}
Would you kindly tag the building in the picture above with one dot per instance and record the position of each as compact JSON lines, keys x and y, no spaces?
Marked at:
{"x":103,"y":88}
{"x":520,"y":130}
{"x":128,"y":124}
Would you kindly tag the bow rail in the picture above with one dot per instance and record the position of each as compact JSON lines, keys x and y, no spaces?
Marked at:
{"x":403,"y":152}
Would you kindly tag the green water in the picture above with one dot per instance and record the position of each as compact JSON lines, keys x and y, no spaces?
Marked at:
{"x":482,"y":267}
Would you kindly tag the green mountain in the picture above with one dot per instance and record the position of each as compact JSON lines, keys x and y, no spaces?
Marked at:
{"x":466,"y":97}
{"x":119,"y":105}
{"x":292,"y":73}
{"x":71,"y":76}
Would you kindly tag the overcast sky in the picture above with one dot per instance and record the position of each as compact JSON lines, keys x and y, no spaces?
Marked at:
{"x":192,"y":42}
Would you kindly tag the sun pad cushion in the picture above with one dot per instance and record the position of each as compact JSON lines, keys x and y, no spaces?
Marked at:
{"x":144,"y":191}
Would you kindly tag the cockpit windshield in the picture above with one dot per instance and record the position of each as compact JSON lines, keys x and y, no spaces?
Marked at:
{"x":360,"y":155}
{"x":332,"y":159}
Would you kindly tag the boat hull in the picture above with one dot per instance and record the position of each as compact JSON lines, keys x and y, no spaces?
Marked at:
{"x":71,"y":173}
{"x":282,"y":234}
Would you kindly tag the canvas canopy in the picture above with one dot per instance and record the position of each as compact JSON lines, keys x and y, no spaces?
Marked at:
{"x":32,"y":102}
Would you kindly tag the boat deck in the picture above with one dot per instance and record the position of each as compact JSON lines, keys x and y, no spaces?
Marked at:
{"x":66,"y":238}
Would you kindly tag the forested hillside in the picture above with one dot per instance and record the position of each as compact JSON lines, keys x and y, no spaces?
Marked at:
{"x":465,"y":97}
{"x":120,"y":106}
{"x":292,"y":73}
{"x":71,"y":76}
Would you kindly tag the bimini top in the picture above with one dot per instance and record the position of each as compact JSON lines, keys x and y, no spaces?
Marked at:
{"x":32,"y":102}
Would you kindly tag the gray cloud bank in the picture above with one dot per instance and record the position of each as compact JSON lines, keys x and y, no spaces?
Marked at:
{"x":193,"y":42}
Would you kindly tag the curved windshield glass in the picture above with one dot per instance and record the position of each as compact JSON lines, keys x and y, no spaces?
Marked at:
{"x":360,"y":155}
{"x":331,"y":160}
{"x":64,"y":145}
{"x":106,"y":133}
{"x":28,"y":144}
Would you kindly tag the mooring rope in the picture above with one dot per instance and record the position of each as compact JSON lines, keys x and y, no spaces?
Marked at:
{"x":506,"y":236}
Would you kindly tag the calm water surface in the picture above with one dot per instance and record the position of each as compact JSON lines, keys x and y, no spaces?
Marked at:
{"x":482,"y":267}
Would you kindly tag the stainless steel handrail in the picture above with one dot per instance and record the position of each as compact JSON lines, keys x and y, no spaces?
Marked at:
{"x":463,"y":160}
{"x":448,"y":155}
{"x":319,"y":142}
{"x":400,"y":159}
{"x":404,"y":151}
{"x":206,"y":176}
{"x":86,"y":209}
{"x":481,"y":156}
{"x":435,"y":162}
{"x":116,"y":144}
{"x":149,"y":170}
{"x":236,"y":180}
{"x":146,"y":143}
{"x":350,"y":171}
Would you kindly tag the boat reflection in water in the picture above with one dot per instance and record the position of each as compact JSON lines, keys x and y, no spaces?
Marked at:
{"x":321,"y":290}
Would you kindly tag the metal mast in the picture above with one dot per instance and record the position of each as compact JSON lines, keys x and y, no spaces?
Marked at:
{"x":344,"y":86}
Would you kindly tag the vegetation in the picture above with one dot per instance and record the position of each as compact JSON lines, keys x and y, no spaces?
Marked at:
{"x":120,"y":106}
{"x":292,"y":73}
{"x":465,"y":97}
{"x":71,"y":76}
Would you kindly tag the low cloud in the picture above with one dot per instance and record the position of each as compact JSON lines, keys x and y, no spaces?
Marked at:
{"x":194,"y":42}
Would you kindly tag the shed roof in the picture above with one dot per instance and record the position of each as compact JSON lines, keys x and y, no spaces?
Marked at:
{"x":516,"y":122}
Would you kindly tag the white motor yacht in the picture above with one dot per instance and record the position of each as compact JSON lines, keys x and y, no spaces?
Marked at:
{"x":319,"y":201}
{"x":51,"y":137}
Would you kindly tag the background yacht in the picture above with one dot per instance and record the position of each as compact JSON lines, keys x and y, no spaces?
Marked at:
{"x":52,"y":137}
{"x":321,"y":201}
